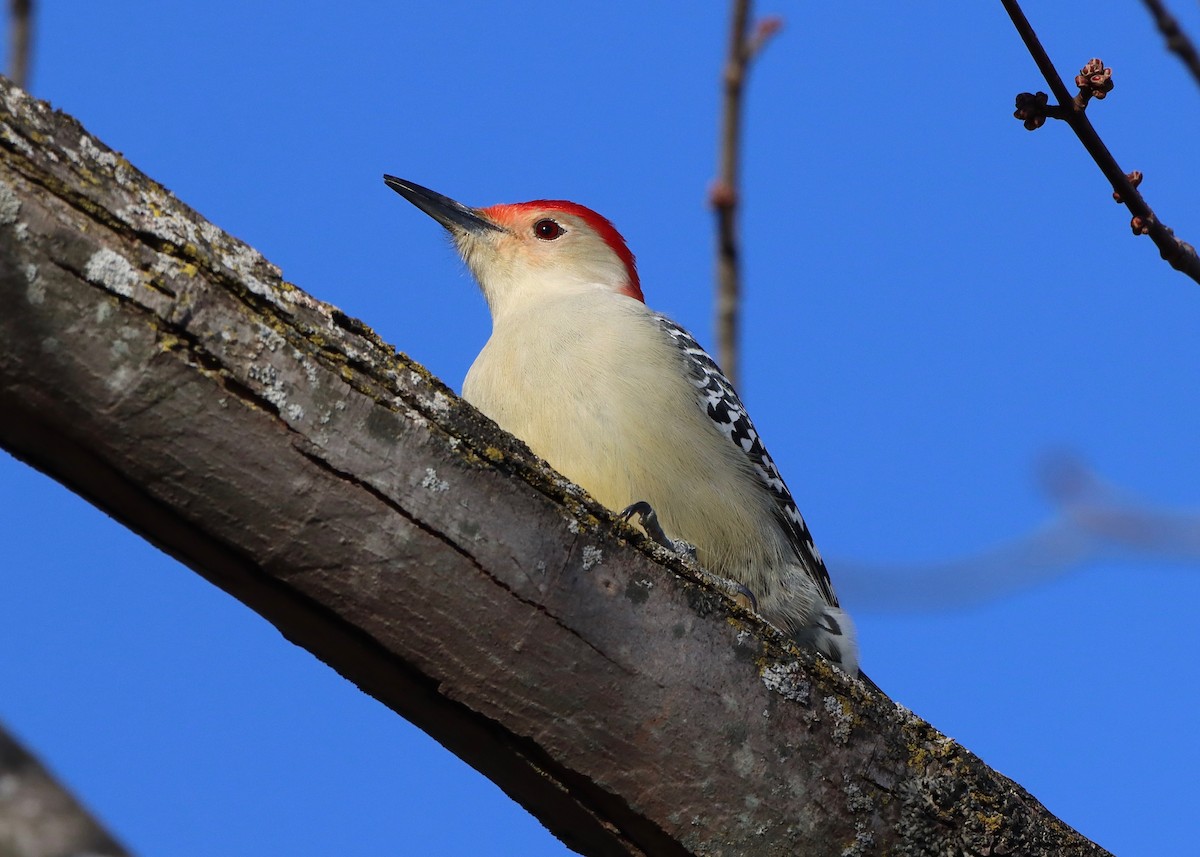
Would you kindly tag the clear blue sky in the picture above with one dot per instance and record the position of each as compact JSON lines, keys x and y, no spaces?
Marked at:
{"x":936,"y":296}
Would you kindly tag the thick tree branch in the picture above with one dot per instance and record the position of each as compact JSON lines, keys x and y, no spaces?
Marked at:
{"x":165,"y":371}
{"x":1033,"y":109}
{"x":38,"y":817}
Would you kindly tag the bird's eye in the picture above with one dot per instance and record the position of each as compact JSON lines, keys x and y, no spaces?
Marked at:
{"x":547,"y":229}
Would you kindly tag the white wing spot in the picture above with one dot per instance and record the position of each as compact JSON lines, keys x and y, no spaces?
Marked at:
{"x":718,"y":399}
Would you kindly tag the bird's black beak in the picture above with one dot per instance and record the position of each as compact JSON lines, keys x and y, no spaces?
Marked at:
{"x":452,"y":215}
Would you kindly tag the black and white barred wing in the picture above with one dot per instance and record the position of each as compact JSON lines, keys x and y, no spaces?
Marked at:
{"x":720,"y":401}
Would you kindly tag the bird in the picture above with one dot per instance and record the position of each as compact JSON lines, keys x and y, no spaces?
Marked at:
{"x":625,"y":403}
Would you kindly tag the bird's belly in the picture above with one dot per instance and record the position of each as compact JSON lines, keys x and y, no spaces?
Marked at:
{"x":626,"y":436}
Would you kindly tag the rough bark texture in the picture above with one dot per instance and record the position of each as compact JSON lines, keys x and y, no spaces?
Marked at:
{"x":163,"y":370}
{"x":38,"y":817}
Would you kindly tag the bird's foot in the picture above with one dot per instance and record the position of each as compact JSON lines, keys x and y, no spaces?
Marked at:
{"x":649,"y":521}
{"x":648,"y":518}
{"x":735,"y":589}
{"x":738,"y":591}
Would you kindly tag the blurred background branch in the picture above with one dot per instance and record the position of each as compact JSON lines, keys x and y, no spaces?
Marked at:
{"x":744,"y":46}
{"x":20,"y":41}
{"x":1094,"y":522}
{"x":1178,"y":42}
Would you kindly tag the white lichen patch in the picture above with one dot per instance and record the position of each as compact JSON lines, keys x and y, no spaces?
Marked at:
{"x":166,"y":265}
{"x":439,"y":404}
{"x":14,"y":100}
{"x":10,"y":204}
{"x":122,"y":376}
{"x":294,"y":413}
{"x":112,"y":270}
{"x":842,"y":721}
{"x":35,"y":292}
{"x":299,"y":298}
{"x":416,"y":418}
{"x":787,"y":681}
{"x":863,"y":844}
{"x":744,"y":761}
{"x":271,"y":339}
{"x":242,"y":260}
{"x":906,"y":714}
{"x":91,"y":151}
{"x":272,"y":388}
{"x":436,"y":406}
{"x":210,"y":233}
{"x":573,"y":527}
{"x":310,"y":369}
{"x":11,"y":136}
{"x":171,"y":267}
{"x":431,"y":482}
{"x":120,"y":379}
{"x":157,"y":215}
{"x":592,"y":556}
{"x":568,"y":487}
{"x":856,"y":800}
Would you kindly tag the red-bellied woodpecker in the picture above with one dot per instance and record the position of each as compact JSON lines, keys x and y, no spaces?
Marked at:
{"x":622,"y":401}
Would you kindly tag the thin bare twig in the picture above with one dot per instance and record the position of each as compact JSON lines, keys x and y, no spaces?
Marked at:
{"x":1094,"y":81}
{"x":20,"y":38}
{"x":1177,"y":40}
{"x":723,"y":197}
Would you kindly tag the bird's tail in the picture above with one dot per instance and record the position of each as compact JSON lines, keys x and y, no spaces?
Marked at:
{"x":834,"y":636}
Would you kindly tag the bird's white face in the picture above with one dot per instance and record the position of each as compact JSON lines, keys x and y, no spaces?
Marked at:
{"x":527,"y":253}
{"x":543,"y":250}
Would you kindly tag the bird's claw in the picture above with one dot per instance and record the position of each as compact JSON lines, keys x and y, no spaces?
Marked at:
{"x":736,"y":590}
{"x":649,"y":521}
{"x":744,"y":594}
